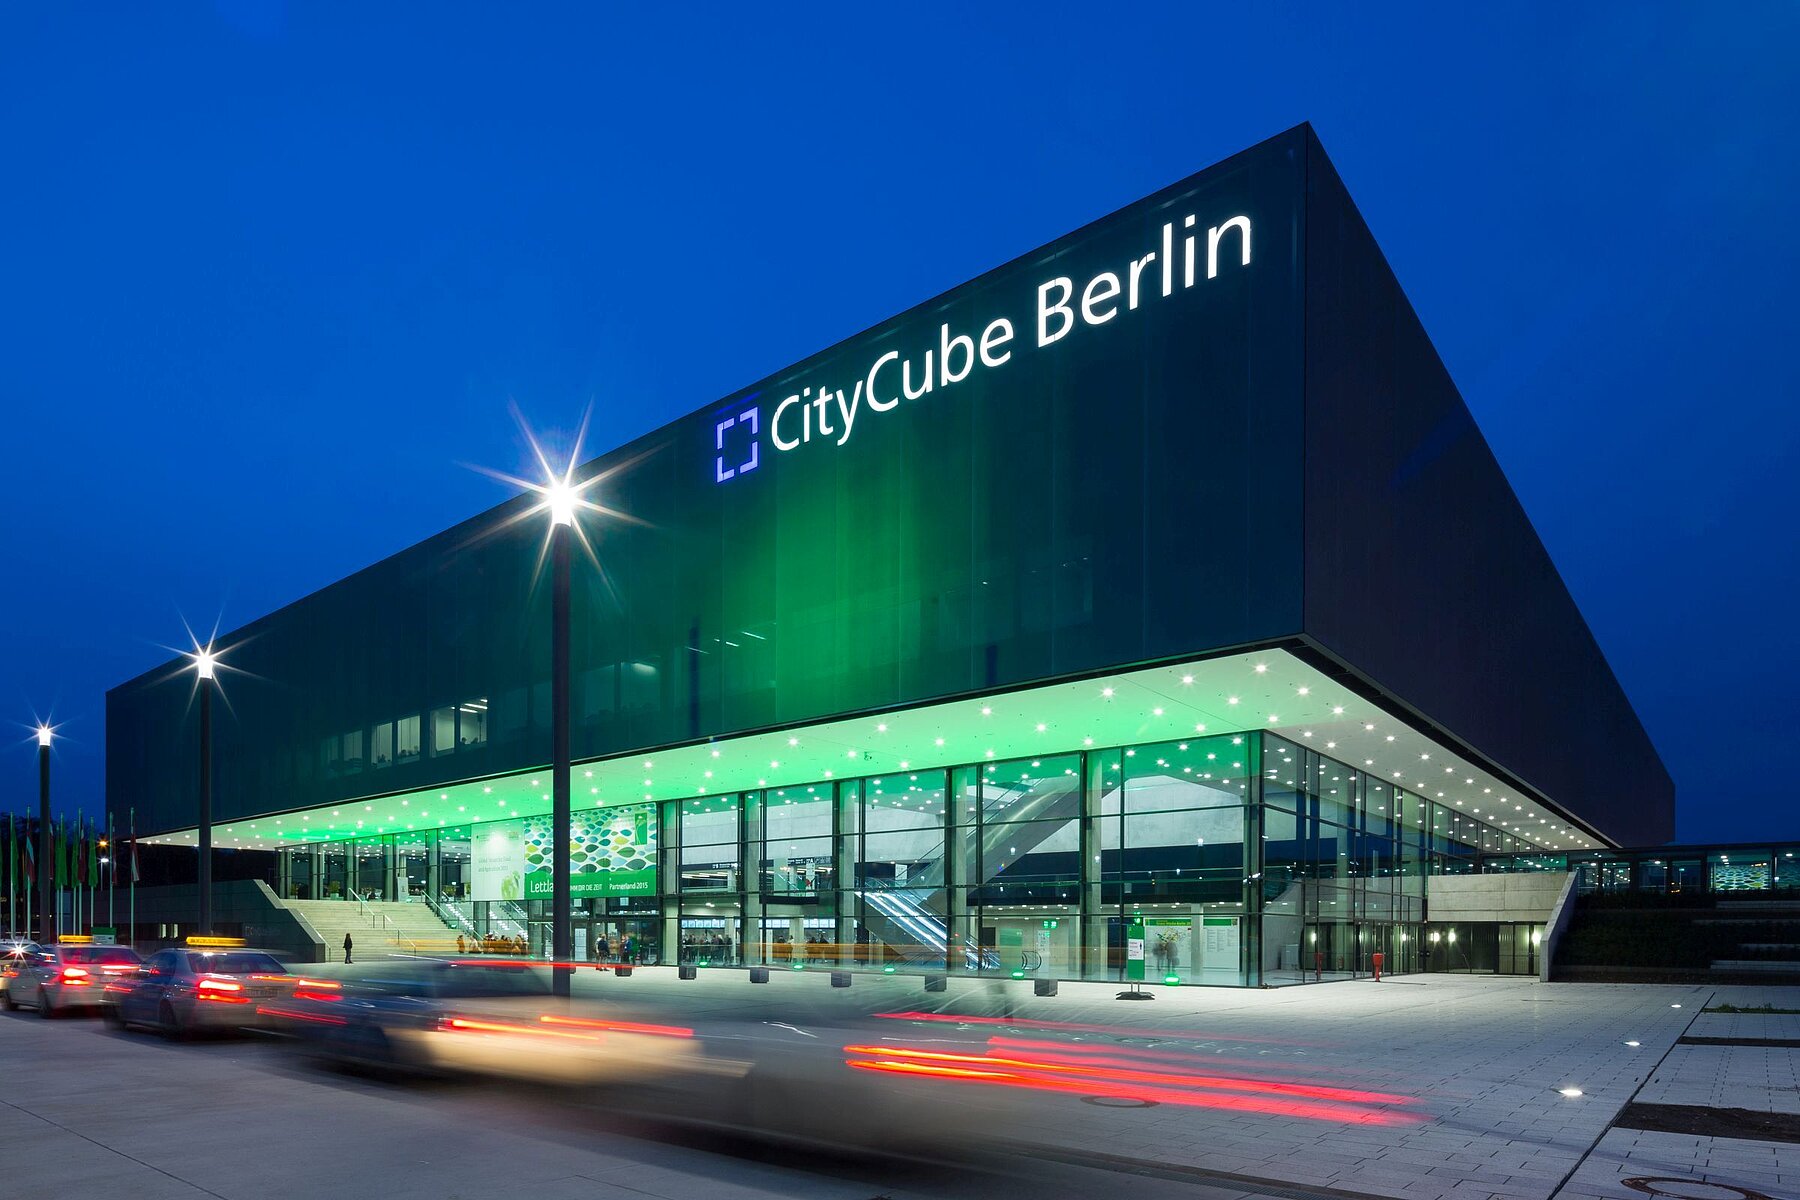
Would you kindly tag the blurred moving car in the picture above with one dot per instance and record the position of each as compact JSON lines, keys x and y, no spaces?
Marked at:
{"x":181,"y":991}
{"x":65,"y":978}
{"x":14,"y":954}
{"x":496,"y":1019}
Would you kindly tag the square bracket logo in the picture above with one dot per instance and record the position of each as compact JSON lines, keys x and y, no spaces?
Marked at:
{"x":736,"y":444}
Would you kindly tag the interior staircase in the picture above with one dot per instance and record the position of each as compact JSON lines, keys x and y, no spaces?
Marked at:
{"x":377,"y":928}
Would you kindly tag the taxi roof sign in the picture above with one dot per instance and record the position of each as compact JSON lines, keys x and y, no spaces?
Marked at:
{"x":197,"y":939}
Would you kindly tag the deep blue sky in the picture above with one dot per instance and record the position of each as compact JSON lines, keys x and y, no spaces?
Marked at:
{"x":268,"y":275}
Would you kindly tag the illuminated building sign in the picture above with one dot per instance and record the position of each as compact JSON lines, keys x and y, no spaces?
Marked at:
{"x":827,"y":412}
{"x":744,"y":453}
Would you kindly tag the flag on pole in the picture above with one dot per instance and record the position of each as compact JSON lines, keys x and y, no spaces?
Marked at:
{"x":79,"y":866}
{"x":134,"y":862}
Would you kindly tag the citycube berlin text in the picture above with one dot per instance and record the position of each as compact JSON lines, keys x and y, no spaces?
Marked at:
{"x":829,"y":413}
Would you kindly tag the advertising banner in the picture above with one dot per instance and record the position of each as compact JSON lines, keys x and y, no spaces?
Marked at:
{"x":612,"y":852}
{"x":497,"y":856}
{"x":1169,"y":942}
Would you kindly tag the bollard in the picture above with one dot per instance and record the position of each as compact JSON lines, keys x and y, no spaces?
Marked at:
{"x":1043,"y":987}
{"x":840,"y":979}
{"x":622,"y":972}
{"x":759,"y":974}
{"x":935,"y":983}
{"x":687,"y":971}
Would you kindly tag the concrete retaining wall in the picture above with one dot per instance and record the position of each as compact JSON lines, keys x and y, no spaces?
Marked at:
{"x":1530,"y":896}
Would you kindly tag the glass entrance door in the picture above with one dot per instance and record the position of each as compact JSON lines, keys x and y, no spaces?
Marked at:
{"x":335,"y":872}
{"x":622,"y":940}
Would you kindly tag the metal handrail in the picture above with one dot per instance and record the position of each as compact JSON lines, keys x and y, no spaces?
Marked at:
{"x":450,"y":915}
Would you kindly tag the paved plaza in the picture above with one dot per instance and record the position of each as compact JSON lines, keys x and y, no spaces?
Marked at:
{"x":1440,"y":1088}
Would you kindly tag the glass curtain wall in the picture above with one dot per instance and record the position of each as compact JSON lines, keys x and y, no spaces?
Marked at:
{"x":1232,"y":859}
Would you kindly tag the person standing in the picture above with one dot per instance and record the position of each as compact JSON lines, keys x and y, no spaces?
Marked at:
{"x":347,"y":944}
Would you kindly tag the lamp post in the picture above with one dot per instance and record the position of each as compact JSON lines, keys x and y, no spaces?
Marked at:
{"x":204,"y":663}
{"x":560,"y":496}
{"x":562,"y":932}
{"x":46,"y":915}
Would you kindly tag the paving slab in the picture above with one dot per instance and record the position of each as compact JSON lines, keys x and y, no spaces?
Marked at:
{"x":1763,"y":1078}
{"x":1785,"y":1026}
{"x":1772,"y":1169}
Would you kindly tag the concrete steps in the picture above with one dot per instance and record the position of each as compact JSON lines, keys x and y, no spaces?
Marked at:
{"x":376,"y":927}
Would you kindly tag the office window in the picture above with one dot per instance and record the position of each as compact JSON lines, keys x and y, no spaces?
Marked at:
{"x":443,"y":730}
{"x":406,"y":739}
{"x":471,"y":722}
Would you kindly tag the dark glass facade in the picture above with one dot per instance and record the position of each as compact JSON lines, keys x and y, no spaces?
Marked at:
{"x":1080,"y":505}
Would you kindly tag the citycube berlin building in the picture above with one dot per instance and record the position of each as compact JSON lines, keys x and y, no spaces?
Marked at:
{"x":1157,"y":578}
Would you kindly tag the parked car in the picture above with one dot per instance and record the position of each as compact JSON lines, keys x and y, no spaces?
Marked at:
{"x":63,"y":978}
{"x":186,"y":990}
{"x":14,"y":954}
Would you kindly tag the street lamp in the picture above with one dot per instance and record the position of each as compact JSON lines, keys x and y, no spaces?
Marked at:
{"x":46,"y":914}
{"x":205,"y":664}
{"x":561,"y":499}
{"x":561,"y":496}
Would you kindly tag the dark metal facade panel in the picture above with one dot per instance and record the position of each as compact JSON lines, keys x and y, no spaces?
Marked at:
{"x":1424,"y":574}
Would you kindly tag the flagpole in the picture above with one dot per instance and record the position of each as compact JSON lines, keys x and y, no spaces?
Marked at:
{"x":112,"y":877}
{"x":131,"y":901}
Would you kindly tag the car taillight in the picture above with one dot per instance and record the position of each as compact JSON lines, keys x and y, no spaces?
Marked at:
{"x":229,"y":991}
{"x":74,"y":976}
{"x":475,"y":1025}
{"x":317,"y":989}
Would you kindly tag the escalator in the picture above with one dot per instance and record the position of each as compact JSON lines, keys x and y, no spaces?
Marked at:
{"x":913,"y":914}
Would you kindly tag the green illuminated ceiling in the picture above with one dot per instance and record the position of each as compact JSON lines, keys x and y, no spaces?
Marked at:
{"x":1268,"y":690}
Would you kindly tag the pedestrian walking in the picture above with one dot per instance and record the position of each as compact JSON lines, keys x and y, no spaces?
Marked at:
{"x":347,"y":944}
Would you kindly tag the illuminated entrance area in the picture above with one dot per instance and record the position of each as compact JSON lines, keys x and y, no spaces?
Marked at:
{"x":1138,"y":826}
